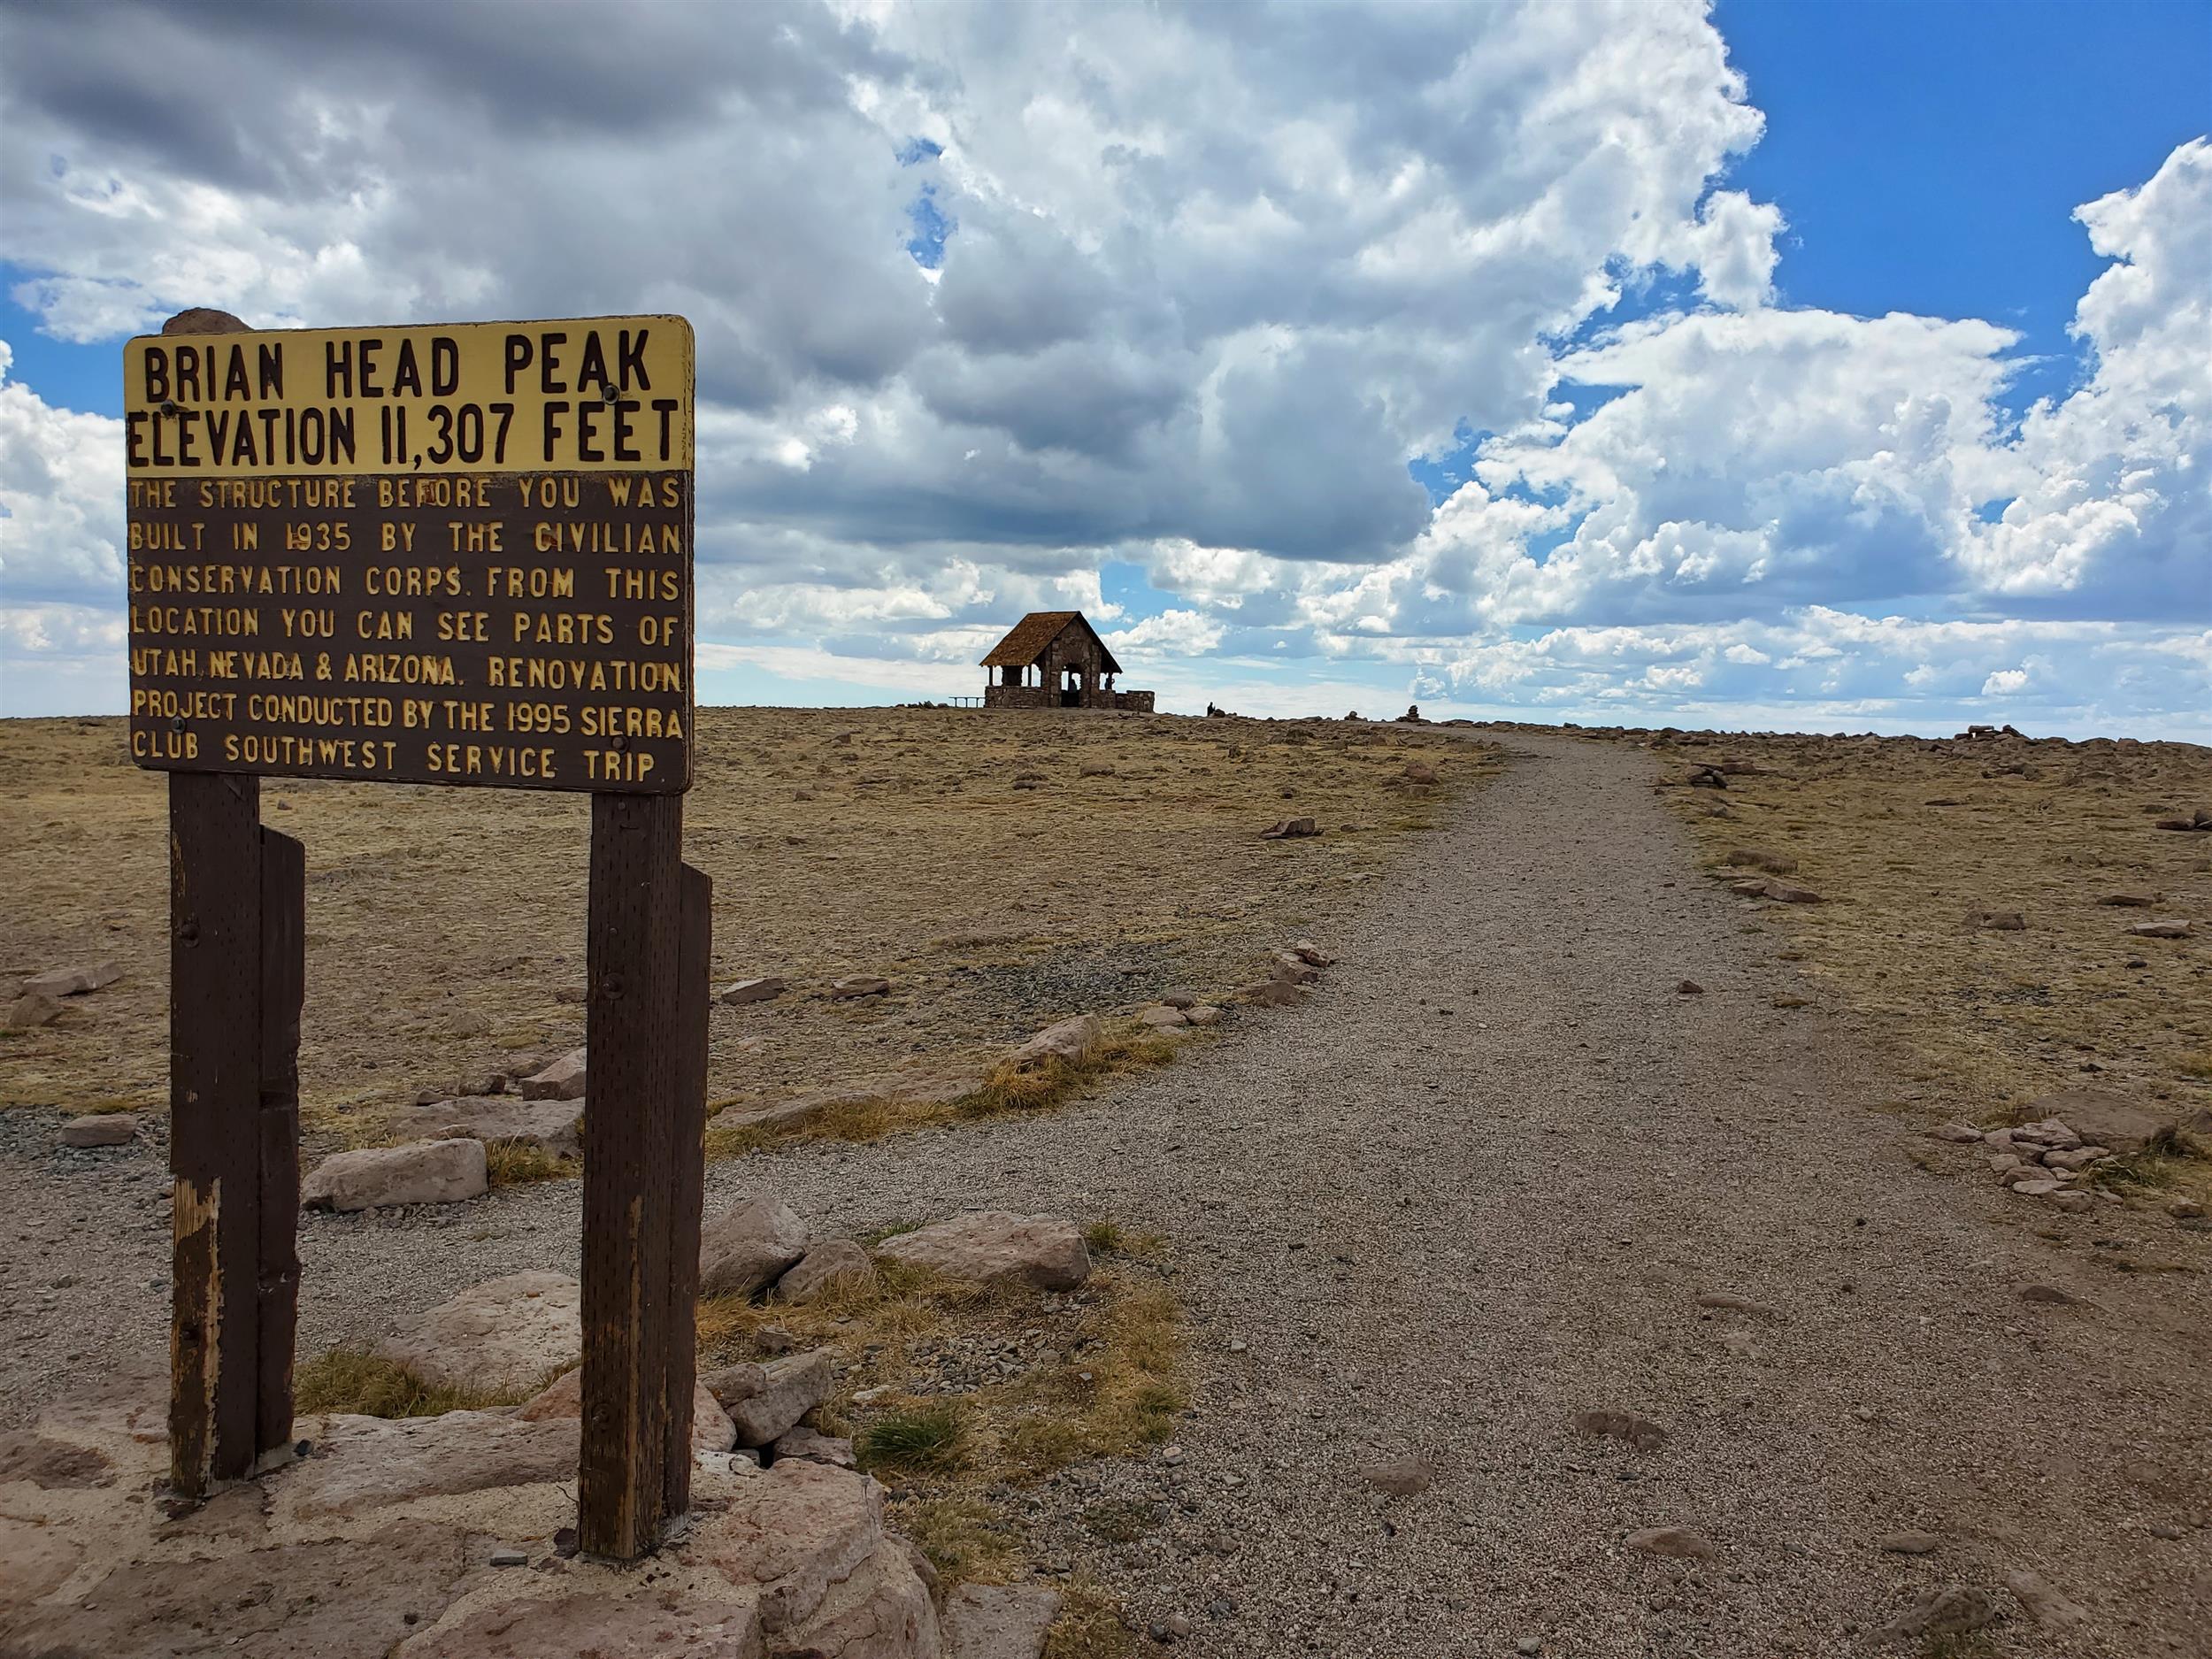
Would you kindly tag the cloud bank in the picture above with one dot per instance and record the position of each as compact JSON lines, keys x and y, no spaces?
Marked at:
{"x":1001,"y":306}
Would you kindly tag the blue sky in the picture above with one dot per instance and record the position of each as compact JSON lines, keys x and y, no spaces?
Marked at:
{"x":1524,"y":364}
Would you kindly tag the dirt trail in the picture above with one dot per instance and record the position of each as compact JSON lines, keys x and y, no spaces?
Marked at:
{"x":1476,"y":1187}
{"x":1473,"y":1188}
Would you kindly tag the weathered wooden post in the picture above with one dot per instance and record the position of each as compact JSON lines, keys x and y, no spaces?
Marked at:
{"x":456,"y":554}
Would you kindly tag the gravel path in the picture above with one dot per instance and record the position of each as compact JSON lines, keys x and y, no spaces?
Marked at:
{"x":1473,"y":1188}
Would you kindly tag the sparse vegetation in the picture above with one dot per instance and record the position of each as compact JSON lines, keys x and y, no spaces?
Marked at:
{"x":1006,"y":1091}
{"x":972,"y":916}
{"x":356,"y":1381}
{"x":1904,"y":837}
{"x":919,"y":1439}
{"x":513,"y":1162}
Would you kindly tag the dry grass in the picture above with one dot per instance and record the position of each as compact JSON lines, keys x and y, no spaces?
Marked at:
{"x":842,"y":841}
{"x":515,"y":1163}
{"x":359,"y":1382}
{"x":1904,"y":837}
{"x":1099,"y":1375}
{"x":1005,"y":1090}
{"x":1090,"y":1625}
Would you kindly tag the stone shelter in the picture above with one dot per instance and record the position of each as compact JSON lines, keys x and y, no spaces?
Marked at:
{"x":1053,"y":659}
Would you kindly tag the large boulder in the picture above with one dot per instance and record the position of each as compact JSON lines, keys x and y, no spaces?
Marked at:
{"x":764,"y":1402}
{"x":648,"y":1622}
{"x":828,"y":1265}
{"x":748,"y":1249}
{"x":564,"y":1080}
{"x":1069,"y":1039}
{"x":712,"y":1430}
{"x":998,"y":1621}
{"x":333,"y":1598}
{"x":377,"y":1178}
{"x":506,"y":1333}
{"x":808,"y":1540}
{"x":364,"y":1463}
{"x":2102,"y":1119}
{"x":551,"y":1126}
{"x":994,"y":1244}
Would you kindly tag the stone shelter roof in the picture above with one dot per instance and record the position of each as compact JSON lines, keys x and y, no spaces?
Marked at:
{"x":1026,"y":641}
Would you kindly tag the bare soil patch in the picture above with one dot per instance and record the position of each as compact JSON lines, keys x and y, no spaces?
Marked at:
{"x":1000,"y":869}
{"x":1925,"y":853}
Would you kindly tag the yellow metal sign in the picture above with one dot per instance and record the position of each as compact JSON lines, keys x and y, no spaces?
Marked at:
{"x":583,"y":395}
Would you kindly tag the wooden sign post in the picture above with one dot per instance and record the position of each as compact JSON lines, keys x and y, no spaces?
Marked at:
{"x":456,"y":554}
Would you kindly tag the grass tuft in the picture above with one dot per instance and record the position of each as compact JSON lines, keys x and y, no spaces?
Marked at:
{"x":518,"y":1162}
{"x":923,"y":1440}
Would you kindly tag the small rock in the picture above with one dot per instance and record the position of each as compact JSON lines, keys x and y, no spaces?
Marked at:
{"x":1068,"y":1040}
{"x":564,"y":1080}
{"x":1306,"y":951}
{"x":858,"y":985}
{"x":1912,"y":1544}
{"x":2048,"y":1293}
{"x":1294,"y":968}
{"x":425,"y":1172}
{"x":2172,"y":927}
{"x":1689,"y":988}
{"x":2045,"y":1605}
{"x":1400,"y":1478}
{"x":1270,"y":994}
{"x":71,"y":981}
{"x":810,"y":1447}
{"x":2184,"y":1209}
{"x":790,"y":1388}
{"x":1996,"y":921}
{"x":1202,"y":1014}
{"x":1960,"y":1134}
{"x":1528,"y":1647}
{"x":510,"y":1558}
{"x":1680,"y":1542}
{"x":761,"y":990}
{"x":102,"y":1129}
{"x":1289,"y":829}
{"x":1163,"y":1019}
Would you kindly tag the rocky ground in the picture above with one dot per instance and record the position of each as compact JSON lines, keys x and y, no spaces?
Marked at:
{"x":1539,"y":1305}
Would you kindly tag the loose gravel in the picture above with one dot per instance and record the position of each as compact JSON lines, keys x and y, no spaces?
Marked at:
{"x":1472,"y":1189}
